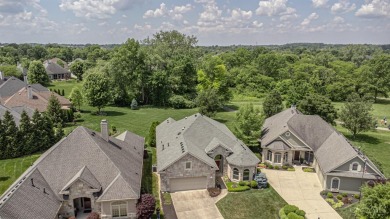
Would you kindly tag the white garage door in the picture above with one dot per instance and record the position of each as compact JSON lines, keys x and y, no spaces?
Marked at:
{"x":188,"y":183}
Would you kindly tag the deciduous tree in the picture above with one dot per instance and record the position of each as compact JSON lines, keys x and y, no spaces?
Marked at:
{"x":76,"y":97}
{"x":272,"y":104}
{"x":37,"y":74}
{"x":208,"y":102}
{"x":316,"y":104}
{"x":248,"y":124}
{"x":97,"y":90}
{"x":356,"y":115}
{"x":375,"y":202}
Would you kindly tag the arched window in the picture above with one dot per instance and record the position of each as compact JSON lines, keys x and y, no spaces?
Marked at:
{"x":335,"y":183}
{"x":119,"y":209}
{"x":236,"y":174}
{"x":278,"y":158}
{"x":246,"y":175}
{"x":269,"y":156}
{"x":355,"y":166}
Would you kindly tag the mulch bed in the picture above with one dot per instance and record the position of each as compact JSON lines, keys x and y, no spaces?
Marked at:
{"x":169,"y":210}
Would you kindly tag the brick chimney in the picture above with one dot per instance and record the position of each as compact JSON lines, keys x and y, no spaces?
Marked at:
{"x":29,"y":92}
{"x":25,"y":79}
{"x":104,"y":129}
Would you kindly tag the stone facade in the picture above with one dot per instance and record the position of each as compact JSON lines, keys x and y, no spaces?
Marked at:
{"x":231,"y":167}
{"x":131,"y":209}
{"x":78,"y":190}
{"x":221,"y":151}
{"x":177,"y":170}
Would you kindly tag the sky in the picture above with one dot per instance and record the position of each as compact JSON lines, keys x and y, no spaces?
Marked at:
{"x":213,"y":22}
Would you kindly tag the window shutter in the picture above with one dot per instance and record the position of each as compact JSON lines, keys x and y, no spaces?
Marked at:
{"x":350,"y":167}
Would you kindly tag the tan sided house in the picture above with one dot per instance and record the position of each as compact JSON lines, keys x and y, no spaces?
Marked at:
{"x":193,"y":151}
{"x":85,"y":171}
{"x":290,"y":137}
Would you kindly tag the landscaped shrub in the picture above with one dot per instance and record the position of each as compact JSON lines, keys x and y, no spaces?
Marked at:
{"x":234,"y":187}
{"x":242,"y":183}
{"x":293,"y":215}
{"x":270,"y":167}
{"x":330,"y":201}
{"x":308,"y":170}
{"x":134,"y":104}
{"x":253,"y":184}
{"x":339,"y":204}
{"x":262,"y":165}
{"x":300,"y":212}
{"x":145,"y":206}
{"x":344,"y":194}
{"x":290,"y":208}
{"x":180,"y":102}
{"x":291,"y":169}
{"x":323,"y":192}
{"x":284,"y":167}
{"x":339,"y":197}
{"x":282,"y":215}
{"x":93,"y":215}
{"x":277,"y":167}
{"x":329,"y":195}
{"x":357,"y":196}
{"x":248,"y":183}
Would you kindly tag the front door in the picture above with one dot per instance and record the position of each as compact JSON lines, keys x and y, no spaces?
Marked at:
{"x":87,"y":203}
{"x":296,"y":155}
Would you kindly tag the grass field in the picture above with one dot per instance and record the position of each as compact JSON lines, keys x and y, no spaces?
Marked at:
{"x":251,"y":204}
{"x":11,"y":169}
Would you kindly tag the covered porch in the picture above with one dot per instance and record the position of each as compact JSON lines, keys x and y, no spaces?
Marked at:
{"x":279,"y":153}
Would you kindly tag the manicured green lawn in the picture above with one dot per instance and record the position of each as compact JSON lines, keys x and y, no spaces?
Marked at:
{"x":375,"y":144}
{"x":66,"y":85}
{"x":251,"y":204}
{"x":348,"y":212}
{"x":11,"y":169}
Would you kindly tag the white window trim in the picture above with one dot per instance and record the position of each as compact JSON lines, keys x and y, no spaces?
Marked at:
{"x":237,"y":175}
{"x":280,"y":157}
{"x":249,"y":174}
{"x":119,"y":205}
{"x":359,"y":168}
{"x":269,"y":152}
{"x":331,"y":183}
{"x":185,"y":165}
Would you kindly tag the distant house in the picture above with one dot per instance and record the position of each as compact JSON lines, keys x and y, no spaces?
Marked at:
{"x":85,"y":171}
{"x":290,"y":137}
{"x":193,"y":152}
{"x":55,"y":71}
{"x":16,"y":112}
{"x":16,"y":93}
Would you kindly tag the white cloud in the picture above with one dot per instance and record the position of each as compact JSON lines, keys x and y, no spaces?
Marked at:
{"x":288,"y":15}
{"x":312,"y":16}
{"x":343,"y":6}
{"x":159,"y":12}
{"x":210,"y":13}
{"x":271,"y":7}
{"x":257,"y":24}
{"x":176,"y":13}
{"x":319,"y":3}
{"x":240,"y":14}
{"x":338,"y":20}
{"x":374,"y":9}
{"x":144,"y":27}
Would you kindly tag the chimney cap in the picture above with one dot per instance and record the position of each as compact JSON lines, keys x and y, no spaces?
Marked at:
{"x":104,"y":121}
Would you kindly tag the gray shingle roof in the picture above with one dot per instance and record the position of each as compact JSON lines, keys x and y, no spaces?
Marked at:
{"x":278,"y":145}
{"x":84,"y":155}
{"x":20,"y":109}
{"x":10,"y":87}
{"x":27,"y":201}
{"x":119,"y":189}
{"x":15,"y":114}
{"x":54,"y":68}
{"x":196,"y":135}
{"x":84,"y":175}
{"x":330,"y":147}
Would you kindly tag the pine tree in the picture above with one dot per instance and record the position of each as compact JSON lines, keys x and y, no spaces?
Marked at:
{"x":54,"y":110}
{"x":36,"y":133}
{"x":59,"y":132}
{"x":10,"y":131}
{"x":63,"y":92}
{"x":24,"y":134}
{"x":48,"y":137}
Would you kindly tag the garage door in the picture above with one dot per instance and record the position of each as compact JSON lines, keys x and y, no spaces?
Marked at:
{"x":188,"y":183}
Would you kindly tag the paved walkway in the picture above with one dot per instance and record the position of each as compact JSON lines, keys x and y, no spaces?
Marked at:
{"x":196,"y":204}
{"x":303,"y":190}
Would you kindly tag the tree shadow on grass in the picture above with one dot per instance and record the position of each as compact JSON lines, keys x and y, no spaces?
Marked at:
{"x":364,"y":138}
{"x":383,"y":101}
{"x":4,"y":178}
{"x":221,"y":120}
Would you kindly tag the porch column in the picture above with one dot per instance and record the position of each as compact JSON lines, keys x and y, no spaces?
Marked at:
{"x":265,"y":153}
{"x":273,"y":157}
{"x":282,"y":158}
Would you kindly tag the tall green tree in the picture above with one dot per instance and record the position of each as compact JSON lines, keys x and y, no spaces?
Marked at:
{"x":54,"y":111}
{"x":316,"y":104}
{"x":37,"y":74}
{"x":209,"y":102}
{"x":2,"y":140}
{"x":356,"y":115}
{"x":273,"y":104}
{"x":96,"y":89}
{"x":152,"y":134}
{"x":213,"y":75}
{"x":375,"y":202}
{"x":25,"y":134}
{"x":248,"y":124}
{"x":76,"y":97}
{"x":77,"y":68}
{"x":10,"y":132}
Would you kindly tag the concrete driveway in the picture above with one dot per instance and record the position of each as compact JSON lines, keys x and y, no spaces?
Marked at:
{"x":302,"y":190}
{"x":196,"y":204}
